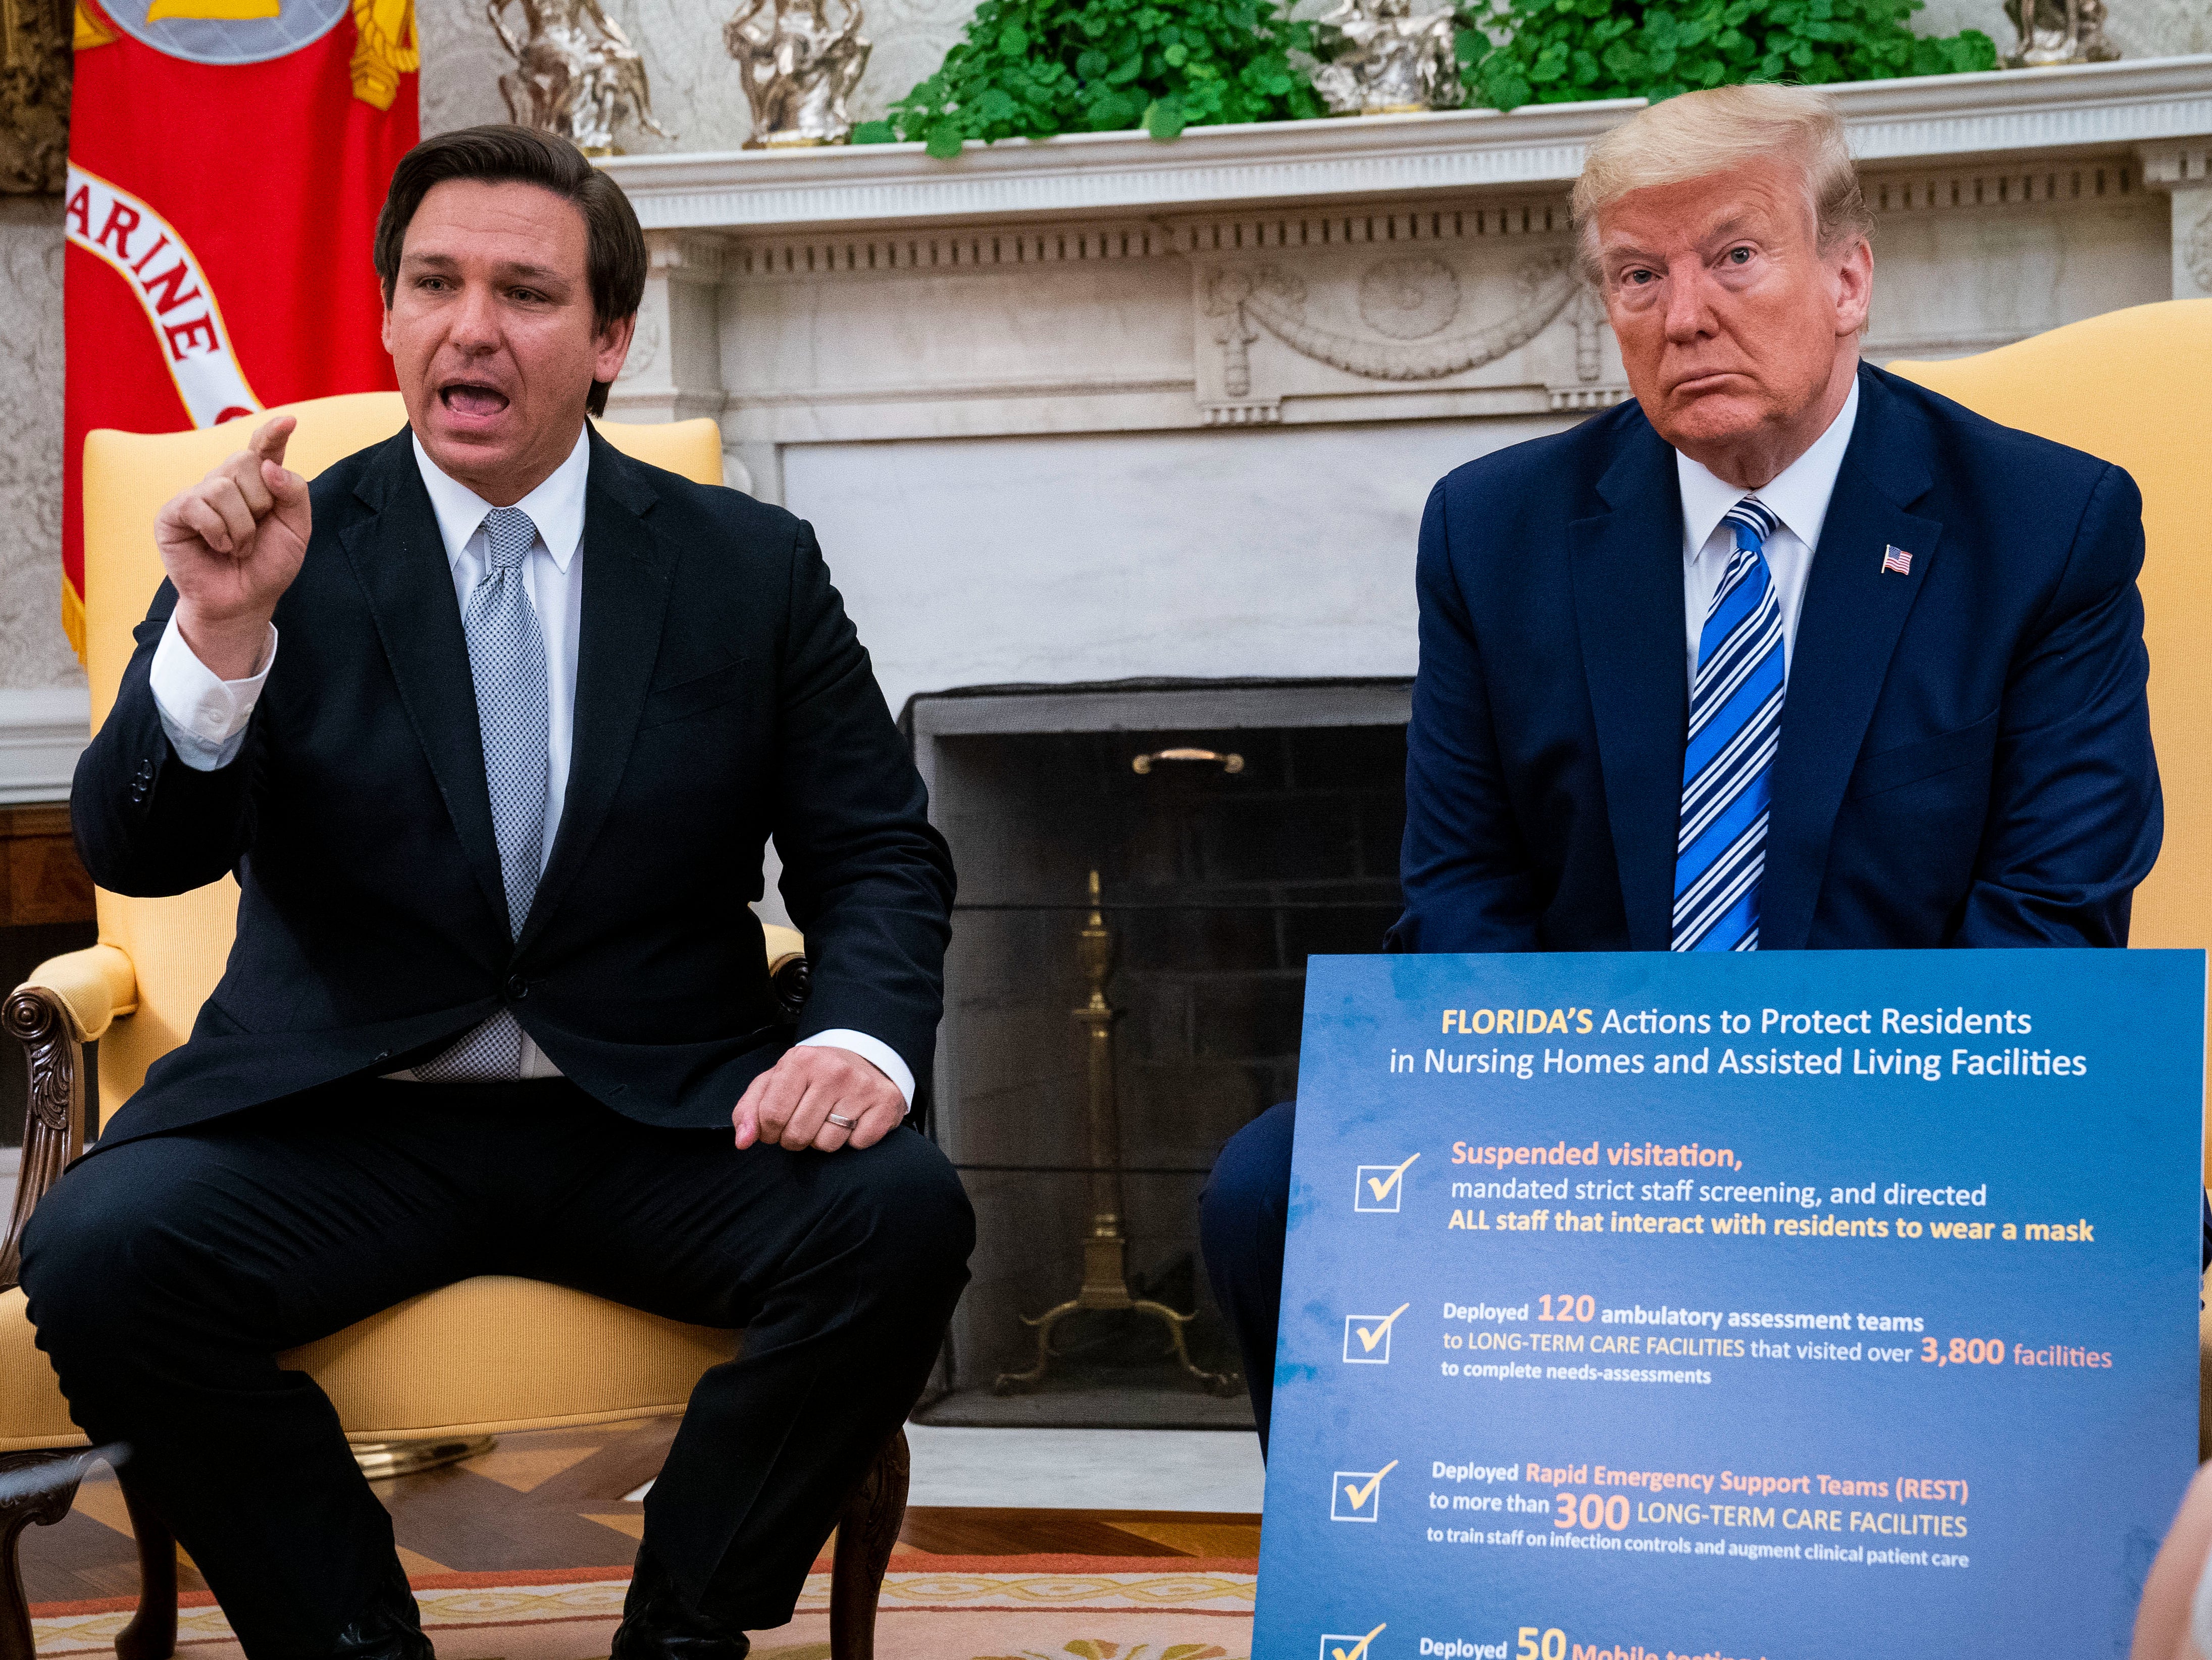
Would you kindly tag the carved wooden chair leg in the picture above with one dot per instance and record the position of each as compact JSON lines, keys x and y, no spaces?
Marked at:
{"x":152,"y":1633}
{"x":865,"y":1533}
{"x":45,"y":1506}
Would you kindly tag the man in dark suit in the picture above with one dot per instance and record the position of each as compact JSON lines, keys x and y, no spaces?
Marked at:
{"x":491,"y":723}
{"x":1648,"y":717}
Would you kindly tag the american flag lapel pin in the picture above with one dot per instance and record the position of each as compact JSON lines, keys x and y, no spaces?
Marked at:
{"x":1897,"y":559}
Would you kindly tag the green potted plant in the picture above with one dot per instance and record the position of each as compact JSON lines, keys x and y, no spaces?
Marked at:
{"x":1553,"y":52}
{"x":1033,"y":69}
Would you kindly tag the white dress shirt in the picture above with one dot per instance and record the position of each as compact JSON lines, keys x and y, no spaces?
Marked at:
{"x":205,"y":718}
{"x":1797,"y":496}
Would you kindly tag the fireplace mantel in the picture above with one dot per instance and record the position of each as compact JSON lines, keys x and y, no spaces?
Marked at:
{"x":1103,"y":406}
{"x":2105,"y":108}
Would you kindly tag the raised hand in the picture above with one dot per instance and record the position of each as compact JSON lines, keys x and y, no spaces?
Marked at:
{"x":232,"y":543}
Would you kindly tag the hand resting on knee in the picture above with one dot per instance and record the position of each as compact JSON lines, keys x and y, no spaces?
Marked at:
{"x":790,"y":1104}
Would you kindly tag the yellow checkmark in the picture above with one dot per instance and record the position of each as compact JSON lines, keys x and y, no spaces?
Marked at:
{"x":1360,"y":1647}
{"x":1359,"y":1496}
{"x":1382,"y":1187}
{"x":1368,"y":1339}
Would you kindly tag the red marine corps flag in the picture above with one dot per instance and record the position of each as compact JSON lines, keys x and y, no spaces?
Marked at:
{"x":227,"y":161}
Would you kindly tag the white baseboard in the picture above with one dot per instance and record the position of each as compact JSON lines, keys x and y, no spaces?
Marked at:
{"x":42,"y":730}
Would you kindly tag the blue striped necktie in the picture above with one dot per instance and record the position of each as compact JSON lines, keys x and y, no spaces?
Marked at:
{"x":1728,"y":767}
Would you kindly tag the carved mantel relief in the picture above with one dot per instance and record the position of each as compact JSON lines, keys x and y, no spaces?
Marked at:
{"x":1400,"y":320}
{"x":1449,"y":309}
{"x":2194,"y":251}
{"x":2183,"y":172}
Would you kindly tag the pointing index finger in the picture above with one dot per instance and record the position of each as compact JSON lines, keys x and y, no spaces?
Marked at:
{"x":270,"y":437}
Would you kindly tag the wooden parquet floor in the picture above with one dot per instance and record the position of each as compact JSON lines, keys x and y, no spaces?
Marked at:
{"x":554,"y":1499}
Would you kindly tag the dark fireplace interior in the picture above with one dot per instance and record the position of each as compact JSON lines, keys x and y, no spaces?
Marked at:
{"x":1216,"y":884}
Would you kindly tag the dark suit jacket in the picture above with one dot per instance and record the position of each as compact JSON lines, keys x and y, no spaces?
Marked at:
{"x":721,"y":696}
{"x":1966,"y":755}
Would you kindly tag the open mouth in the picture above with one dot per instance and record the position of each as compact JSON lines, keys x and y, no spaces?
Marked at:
{"x":472,"y":400}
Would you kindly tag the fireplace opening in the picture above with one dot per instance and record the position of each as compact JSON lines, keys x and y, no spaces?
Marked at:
{"x":1234,"y":828}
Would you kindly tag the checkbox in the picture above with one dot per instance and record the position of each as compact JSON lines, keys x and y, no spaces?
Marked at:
{"x":1367,"y":1337}
{"x":1380,"y":1189}
{"x":1346,"y":1645}
{"x":1354,"y":1495}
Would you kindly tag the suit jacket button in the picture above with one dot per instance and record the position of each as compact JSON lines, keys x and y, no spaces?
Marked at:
{"x":517,"y":987}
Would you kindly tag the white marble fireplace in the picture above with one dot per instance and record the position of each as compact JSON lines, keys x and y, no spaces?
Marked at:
{"x":1105,"y":410}
{"x":1104,"y":407}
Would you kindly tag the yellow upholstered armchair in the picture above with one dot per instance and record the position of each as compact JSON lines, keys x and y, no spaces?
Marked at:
{"x":2134,"y":387}
{"x":440,"y":1372}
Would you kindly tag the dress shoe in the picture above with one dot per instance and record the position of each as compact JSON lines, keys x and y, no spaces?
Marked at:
{"x":390,"y":1628}
{"x":657,"y":1625}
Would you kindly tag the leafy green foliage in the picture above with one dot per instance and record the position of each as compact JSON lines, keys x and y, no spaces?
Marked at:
{"x":1564,"y":51}
{"x":1032,"y":69}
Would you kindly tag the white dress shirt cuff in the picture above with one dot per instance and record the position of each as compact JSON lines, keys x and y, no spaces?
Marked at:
{"x":876,"y":1052}
{"x":205,"y":718}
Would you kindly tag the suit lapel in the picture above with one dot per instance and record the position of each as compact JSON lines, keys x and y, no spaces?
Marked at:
{"x":1854,"y":612}
{"x":626,"y":585}
{"x":399,"y":559}
{"x":1627,"y":568}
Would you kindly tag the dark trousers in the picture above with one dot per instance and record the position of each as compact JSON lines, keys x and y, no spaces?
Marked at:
{"x":165,"y":1273}
{"x":1241,"y":1217}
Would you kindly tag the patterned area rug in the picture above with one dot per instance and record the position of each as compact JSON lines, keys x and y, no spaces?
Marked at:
{"x":933,"y":1607}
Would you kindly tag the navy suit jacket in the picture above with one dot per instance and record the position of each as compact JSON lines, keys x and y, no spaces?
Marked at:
{"x":721,"y":696}
{"x":1966,"y":753}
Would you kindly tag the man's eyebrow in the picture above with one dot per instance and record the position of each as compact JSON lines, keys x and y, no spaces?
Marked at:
{"x":1732,"y":227}
{"x":1723,"y":230}
{"x":512,"y":270}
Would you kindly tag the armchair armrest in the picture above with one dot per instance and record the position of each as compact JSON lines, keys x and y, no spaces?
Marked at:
{"x":788,"y":974}
{"x":783,"y":944}
{"x":67,"y":1002}
{"x":94,"y":985}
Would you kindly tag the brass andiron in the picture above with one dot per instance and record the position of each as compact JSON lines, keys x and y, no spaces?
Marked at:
{"x":1144,"y":763}
{"x":1106,"y":1251}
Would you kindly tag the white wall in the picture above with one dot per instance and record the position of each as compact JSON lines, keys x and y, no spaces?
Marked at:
{"x":32,"y":653}
{"x":696,"y":91}
{"x":2140,"y":29}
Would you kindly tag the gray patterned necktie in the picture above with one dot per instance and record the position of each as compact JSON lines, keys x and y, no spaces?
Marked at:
{"x":506,"y":660}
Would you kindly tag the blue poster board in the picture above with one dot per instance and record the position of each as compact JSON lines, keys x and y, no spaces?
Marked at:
{"x":1790,"y":1305}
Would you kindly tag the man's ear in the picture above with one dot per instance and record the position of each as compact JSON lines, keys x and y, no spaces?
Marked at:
{"x":384,"y":328}
{"x":1851,"y":277}
{"x":612,"y":346}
